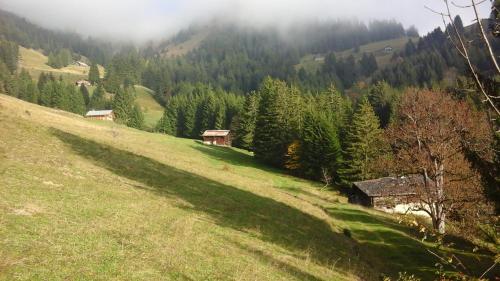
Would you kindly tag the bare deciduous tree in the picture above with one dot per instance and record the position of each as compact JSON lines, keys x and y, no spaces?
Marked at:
{"x":429,"y":138}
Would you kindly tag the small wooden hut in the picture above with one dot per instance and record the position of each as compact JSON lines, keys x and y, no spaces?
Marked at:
{"x":107,"y":115}
{"x":217,"y":137}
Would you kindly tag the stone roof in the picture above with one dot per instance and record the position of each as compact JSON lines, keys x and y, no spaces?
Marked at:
{"x":93,"y":113}
{"x":390,"y":186}
{"x":216,"y":133}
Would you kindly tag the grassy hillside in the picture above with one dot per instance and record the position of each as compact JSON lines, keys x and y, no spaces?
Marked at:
{"x":35,"y":62}
{"x":91,"y":200}
{"x":152,"y":110}
{"x":377,"y":48}
{"x":178,"y":50}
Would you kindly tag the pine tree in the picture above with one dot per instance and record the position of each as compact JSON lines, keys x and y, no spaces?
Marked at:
{"x":136,"y":118}
{"x":274,"y":131}
{"x":320,"y":147}
{"x":47,"y":94}
{"x":85,"y":95}
{"x":60,"y":97}
{"x":76,"y":100}
{"x":168,"y":123}
{"x":220,"y":116}
{"x":383,"y":100}
{"x":123,"y":105}
{"x":98,"y":99}
{"x":363,"y":143}
{"x":208,"y":113}
{"x":244,"y":131}
{"x":94,"y":75}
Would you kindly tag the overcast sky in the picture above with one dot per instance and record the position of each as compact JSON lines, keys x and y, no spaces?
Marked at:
{"x":141,"y":20}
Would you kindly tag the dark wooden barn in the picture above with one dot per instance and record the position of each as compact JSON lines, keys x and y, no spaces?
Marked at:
{"x":217,"y":137}
{"x":385,"y":192}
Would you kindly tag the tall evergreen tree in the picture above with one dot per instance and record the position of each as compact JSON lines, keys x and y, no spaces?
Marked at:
{"x":136,"y":118}
{"x":85,"y":94}
{"x":76,"y":101}
{"x":94,"y":75}
{"x":98,"y":99}
{"x":320,"y":151}
{"x":277,"y":121}
{"x":123,"y":105}
{"x":363,"y":143}
{"x":244,"y":131}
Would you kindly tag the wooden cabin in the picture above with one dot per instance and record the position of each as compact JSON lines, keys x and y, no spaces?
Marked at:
{"x":388,"y":193}
{"x":106,"y":115}
{"x":217,"y":137}
{"x":86,"y":83}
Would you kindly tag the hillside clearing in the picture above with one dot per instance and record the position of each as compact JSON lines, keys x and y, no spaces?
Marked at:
{"x":311,"y":65}
{"x":90,"y":200}
{"x":181,"y":49}
{"x":35,"y":63}
{"x":152,"y":110}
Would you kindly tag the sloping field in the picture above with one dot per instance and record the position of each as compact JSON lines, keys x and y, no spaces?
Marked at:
{"x":90,"y":200}
{"x":152,"y":110}
{"x":35,"y":63}
{"x":309,"y":63}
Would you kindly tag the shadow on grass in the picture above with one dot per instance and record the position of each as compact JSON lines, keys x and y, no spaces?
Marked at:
{"x":272,"y":221}
{"x":233,"y":157}
{"x":237,"y":158}
{"x":380,"y":244}
{"x":394,"y":248}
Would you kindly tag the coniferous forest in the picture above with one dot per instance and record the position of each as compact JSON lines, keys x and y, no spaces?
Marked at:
{"x":342,"y":121}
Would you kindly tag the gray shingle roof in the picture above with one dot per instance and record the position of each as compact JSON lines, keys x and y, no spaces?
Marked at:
{"x":216,"y":133}
{"x":98,"y":113}
{"x":390,"y":186}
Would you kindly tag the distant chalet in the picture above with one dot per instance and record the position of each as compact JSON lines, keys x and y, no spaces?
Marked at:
{"x":388,"y":194}
{"x":81,"y":63}
{"x":86,"y":83}
{"x":217,"y":137}
{"x":106,"y":115}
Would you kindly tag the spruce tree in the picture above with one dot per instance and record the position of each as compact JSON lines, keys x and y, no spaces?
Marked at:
{"x":60,"y":98}
{"x":85,"y":95}
{"x":94,"y":75}
{"x":320,"y":151}
{"x":208,"y":113}
{"x":136,"y":118}
{"x":98,"y":99}
{"x":272,"y":129}
{"x":363,"y":142}
{"x":76,"y":100}
{"x":244,"y":131}
{"x":123,"y":105}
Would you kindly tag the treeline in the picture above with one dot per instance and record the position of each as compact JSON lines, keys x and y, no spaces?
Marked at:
{"x":196,"y":108}
{"x":321,"y":136}
{"x":425,"y":62}
{"x":237,"y":59}
{"x":60,"y":59}
{"x":56,"y":93}
{"x":22,"y":32}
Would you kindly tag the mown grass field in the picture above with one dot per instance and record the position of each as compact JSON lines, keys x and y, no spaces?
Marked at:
{"x":35,"y":63}
{"x":152,"y":110}
{"x":91,"y":200}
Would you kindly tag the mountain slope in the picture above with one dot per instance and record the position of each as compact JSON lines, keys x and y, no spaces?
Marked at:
{"x":35,"y":62}
{"x":92,"y":200}
{"x":152,"y":110}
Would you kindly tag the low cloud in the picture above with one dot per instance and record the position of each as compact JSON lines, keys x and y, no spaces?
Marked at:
{"x":141,"y":20}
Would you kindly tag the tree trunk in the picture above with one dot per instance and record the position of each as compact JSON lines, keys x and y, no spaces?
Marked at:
{"x":440,"y":216}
